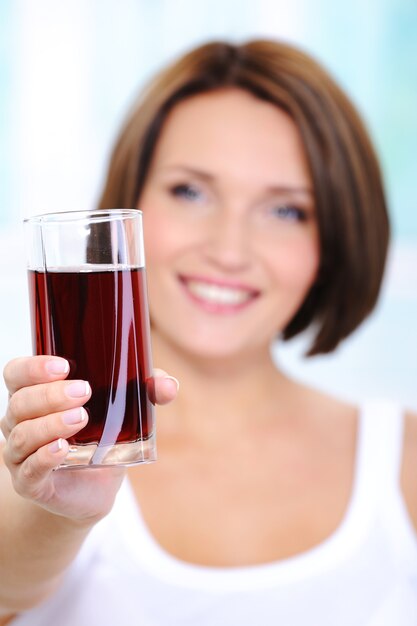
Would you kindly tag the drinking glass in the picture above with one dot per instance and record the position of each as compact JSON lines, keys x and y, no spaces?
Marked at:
{"x":88,"y":304}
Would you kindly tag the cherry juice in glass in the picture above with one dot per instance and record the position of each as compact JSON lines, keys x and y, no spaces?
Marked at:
{"x":96,"y":317}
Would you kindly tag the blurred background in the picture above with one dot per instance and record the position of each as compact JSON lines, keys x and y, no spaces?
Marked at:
{"x":70,"y":70}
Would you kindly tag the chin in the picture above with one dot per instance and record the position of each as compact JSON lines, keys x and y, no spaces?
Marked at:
{"x":216,"y":349}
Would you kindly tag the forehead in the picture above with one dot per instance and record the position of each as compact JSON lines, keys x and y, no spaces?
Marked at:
{"x":232,"y":130}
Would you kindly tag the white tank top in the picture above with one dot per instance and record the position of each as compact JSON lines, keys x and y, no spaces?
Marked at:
{"x":364,"y":574}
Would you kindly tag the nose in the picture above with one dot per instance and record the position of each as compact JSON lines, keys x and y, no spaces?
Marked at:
{"x":227,"y":243}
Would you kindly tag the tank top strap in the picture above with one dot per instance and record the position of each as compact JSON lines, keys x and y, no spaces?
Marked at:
{"x":379,"y":463}
{"x":381,"y":442}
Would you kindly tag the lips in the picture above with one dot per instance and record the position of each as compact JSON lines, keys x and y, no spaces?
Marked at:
{"x":217,"y":295}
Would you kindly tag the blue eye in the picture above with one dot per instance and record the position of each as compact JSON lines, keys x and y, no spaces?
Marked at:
{"x":188,"y":192}
{"x":290,"y":213}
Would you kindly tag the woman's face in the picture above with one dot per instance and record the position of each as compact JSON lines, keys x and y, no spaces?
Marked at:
{"x":231,"y":238}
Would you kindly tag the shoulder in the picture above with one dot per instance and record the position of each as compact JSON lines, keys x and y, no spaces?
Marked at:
{"x":409,"y":465}
{"x":2,"y":442}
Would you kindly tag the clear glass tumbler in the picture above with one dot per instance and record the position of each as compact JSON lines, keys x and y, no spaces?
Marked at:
{"x":88,"y":302}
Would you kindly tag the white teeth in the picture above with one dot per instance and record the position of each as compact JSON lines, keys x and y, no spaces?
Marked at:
{"x":217,"y":294}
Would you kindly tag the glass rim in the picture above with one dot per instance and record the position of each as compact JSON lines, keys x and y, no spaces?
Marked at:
{"x":92,"y":215}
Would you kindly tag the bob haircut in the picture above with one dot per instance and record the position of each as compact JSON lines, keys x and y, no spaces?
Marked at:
{"x":351,"y":210}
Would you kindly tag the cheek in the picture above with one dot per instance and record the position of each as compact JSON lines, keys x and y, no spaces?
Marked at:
{"x":160,"y":238}
{"x":296,"y":266}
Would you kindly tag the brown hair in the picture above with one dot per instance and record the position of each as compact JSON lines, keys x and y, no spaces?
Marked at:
{"x":352,"y":215}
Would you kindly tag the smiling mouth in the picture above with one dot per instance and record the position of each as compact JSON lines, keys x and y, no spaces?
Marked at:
{"x":217,"y":297}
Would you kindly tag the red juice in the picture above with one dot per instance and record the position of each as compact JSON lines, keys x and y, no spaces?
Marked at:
{"x":98,"y":321}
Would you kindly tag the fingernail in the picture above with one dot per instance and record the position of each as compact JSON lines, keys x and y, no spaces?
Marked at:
{"x":176,"y":381}
{"x":74,"y":416}
{"x":57,"y":366}
{"x":55,"y":446}
{"x":79,"y":389}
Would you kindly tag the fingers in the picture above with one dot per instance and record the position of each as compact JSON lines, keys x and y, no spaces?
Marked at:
{"x":165,"y":387}
{"x":30,"y":478}
{"x":28,"y":436}
{"x":26,"y":371}
{"x":43,"y":399}
{"x":35,"y":447}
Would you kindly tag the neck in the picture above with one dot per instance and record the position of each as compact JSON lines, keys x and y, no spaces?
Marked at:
{"x":218,"y":395}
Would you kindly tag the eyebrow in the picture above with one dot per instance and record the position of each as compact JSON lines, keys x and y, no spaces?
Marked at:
{"x":290,"y":189}
{"x":190,"y":170}
{"x":271,"y":188}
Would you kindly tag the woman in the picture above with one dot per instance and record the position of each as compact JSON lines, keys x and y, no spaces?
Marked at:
{"x":271,"y":502}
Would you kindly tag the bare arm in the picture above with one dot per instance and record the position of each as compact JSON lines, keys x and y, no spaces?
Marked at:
{"x":36,"y":546}
{"x":46,"y":515}
{"x":409,"y":467}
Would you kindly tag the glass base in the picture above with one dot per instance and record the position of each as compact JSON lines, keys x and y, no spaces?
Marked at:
{"x":117,"y":455}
